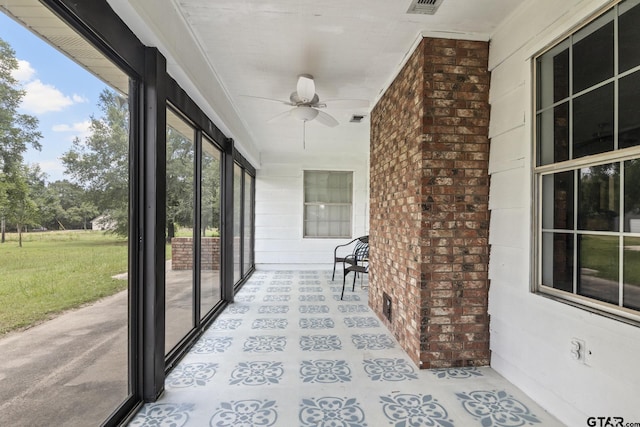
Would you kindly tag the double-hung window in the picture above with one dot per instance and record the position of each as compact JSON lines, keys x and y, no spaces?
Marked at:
{"x":587,"y":165}
{"x":327,"y":203}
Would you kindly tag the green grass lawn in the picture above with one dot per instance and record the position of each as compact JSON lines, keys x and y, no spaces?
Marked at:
{"x":56,"y":271}
{"x":600,"y":253}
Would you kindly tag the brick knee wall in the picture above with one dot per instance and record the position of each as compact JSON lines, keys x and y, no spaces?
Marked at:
{"x":429,"y":204}
{"x":182,"y":253}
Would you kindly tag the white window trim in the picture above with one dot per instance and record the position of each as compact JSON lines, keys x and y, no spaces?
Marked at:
{"x":617,"y":312}
{"x":351,"y":205}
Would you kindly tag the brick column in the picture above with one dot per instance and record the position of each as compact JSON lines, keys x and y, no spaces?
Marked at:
{"x":429,"y":204}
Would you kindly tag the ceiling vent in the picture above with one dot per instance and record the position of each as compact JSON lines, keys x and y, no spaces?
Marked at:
{"x":424,"y":7}
{"x":356,"y":118}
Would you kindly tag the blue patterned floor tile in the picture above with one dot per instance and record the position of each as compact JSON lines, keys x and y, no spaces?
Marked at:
{"x":276,"y":298}
{"x":162,"y":414}
{"x":257,"y":373}
{"x":311,"y":298}
{"x":372,"y":341}
{"x":196,"y":374}
{"x":405,"y":410}
{"x":279,"y":289}
{"x":313,"y":309}
{"x":310,"y":289}
{"x":320,"y":343}
{"x":325,"y":371}
{"x":264,"y":344}
{"x":389,"y":369}
{"x":245,"y":413}
{"x":497,"y":409}
{"x":331,"y":411}
{"x":273,"y":309}
{"x":269,"y":324}
{"x":236,"y":309}
{"x":353,"y":308}
{"x":209,"y":345}
{"x":316,"y":323}
{"x":457,"y":373}
{"x":222,"y":324}
{"x":361,"y":322}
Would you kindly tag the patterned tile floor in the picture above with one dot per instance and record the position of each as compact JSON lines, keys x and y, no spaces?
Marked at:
{"x":288,"y":352}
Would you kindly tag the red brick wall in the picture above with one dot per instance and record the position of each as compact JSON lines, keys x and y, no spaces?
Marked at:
{"x":429,"y":204}
{"x":182,"y":253}
{"x":396,"y":191}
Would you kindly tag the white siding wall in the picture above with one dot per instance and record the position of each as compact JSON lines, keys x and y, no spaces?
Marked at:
{"x":279,"y":209}
{"x":531,"y":334}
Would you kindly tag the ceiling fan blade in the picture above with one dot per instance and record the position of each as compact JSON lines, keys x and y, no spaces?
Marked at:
{"x":326,"y":119}
{"x":279,"y":116}
{"x":306,"y":87}
{"x":346,"y":103}
{"x":280,"y":101}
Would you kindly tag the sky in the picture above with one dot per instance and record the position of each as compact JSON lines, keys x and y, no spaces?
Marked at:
{"x":60,"y":93}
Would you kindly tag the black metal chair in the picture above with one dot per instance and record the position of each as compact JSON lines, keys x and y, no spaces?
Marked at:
{"x":359,"y":242}
{"x":358,"y":262}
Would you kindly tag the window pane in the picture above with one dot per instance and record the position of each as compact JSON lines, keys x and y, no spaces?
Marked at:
{"x":210,"y":292}
{"x":64,"y":285}
{"x":629,"y":35}
{"x":327,"y":211}
{"x":632,"y":272}
{"x":237,"y":222}
{"x":557,"y":261}
{"x":180,"y":213}
{"x":557,"y":201}
{"x":553,"y":135}
{"x":593,"y":122}
{"x":593,"y":41}
{"x":632,"y":196}
{"x":599,"y":267}
{"x":553,"y":75}
{"x":599,"y":198}
{"x":629,"y":110}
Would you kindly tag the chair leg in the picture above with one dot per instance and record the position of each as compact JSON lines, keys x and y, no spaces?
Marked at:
{"x":344,"y":280}
{"x":353,"y":288}
{"x":334,"y":270}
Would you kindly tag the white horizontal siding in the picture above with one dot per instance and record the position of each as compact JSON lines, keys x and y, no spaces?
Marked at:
{"x":531,"y":334}
{"x":279,"y":209}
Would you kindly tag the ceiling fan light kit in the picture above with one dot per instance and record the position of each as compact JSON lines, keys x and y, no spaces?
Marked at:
{"x":304,"y":113}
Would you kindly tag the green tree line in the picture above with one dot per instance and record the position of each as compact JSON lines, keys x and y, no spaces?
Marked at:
{"x":96,"y":169}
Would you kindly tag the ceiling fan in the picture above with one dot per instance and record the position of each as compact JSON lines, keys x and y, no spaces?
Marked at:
{"x":306,"y":103}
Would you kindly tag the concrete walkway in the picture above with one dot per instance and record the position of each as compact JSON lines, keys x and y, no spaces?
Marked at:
{"x":72,"y":369}
{"x":68,"y":371}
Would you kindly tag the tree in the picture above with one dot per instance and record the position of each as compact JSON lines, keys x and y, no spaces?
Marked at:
{"x":23,"y":210}
{"x":180,"y":156}
{"x":100,"y":163}
{"x":17,"y":133}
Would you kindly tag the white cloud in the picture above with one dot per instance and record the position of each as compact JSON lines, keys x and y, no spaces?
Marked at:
{"x":53,"y":168}
{"x":42,"y":98}
{"x":78,"y":99}
{"x":75,"y":127}
{"x":24,"y":72}
{"x":79,"y":129}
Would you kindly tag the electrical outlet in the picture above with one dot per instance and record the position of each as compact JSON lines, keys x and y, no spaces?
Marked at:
{"x":578,"y":350}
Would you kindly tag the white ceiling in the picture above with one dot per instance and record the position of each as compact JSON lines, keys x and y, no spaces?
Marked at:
{"x":353,"y":48}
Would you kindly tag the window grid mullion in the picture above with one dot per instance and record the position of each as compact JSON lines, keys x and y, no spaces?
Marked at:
{"x":621,"y":223}
{"x":576,"y":184}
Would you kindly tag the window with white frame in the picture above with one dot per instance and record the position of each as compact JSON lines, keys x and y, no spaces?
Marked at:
{"x":327,"y":203}
{"x":587,"y":167}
